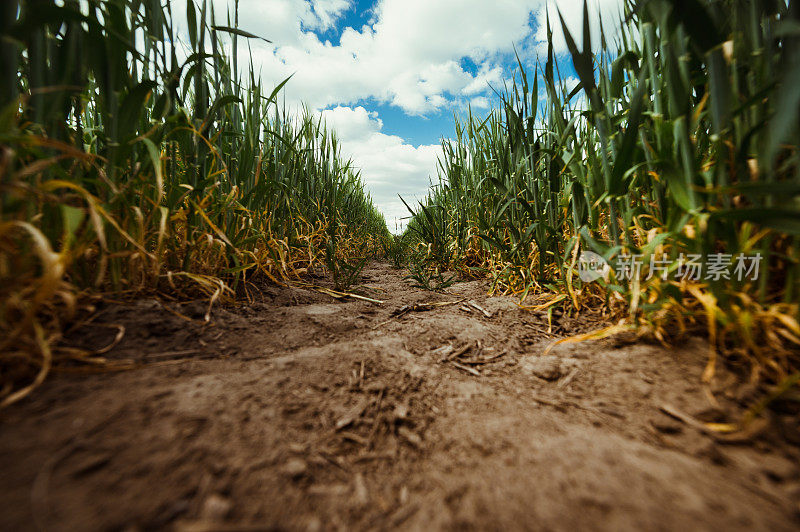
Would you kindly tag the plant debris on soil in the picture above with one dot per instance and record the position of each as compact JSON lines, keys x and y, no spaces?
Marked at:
{"x":429,"y":411}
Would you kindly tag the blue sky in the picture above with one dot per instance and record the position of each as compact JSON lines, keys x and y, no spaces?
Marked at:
{"x":388,"y":75}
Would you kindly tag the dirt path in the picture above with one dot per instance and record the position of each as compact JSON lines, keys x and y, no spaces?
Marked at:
{"x":303,"y":412}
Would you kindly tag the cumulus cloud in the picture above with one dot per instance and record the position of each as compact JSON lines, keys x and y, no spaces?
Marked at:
{"x":410,"y":57}
{"x":389,"y":165}
{"x":281,"y":21}
{"x":410,"y":54}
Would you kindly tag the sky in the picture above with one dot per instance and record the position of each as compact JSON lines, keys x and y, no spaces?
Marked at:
{"x":388,"y":75}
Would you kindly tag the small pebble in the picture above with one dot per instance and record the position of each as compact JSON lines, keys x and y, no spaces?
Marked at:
{"x":216,"y":508}
{"x":294,"y":468}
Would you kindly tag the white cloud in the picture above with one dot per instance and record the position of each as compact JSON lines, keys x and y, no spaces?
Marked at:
{"x":480,"y":102}
{"x":486,"y":75}
{"x":408,"y":55}
{"x":280,"y":21}
{"x":389,"y":165}
{"x":326,"y":12}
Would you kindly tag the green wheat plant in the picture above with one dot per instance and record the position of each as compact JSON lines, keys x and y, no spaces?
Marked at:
{"x":395,"y":248}
{"x":428,"y":276}
{"x":681,"y":138}
{"x":137,"y":159}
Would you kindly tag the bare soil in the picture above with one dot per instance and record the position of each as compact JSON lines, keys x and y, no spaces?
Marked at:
{"x":302,"y":412}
